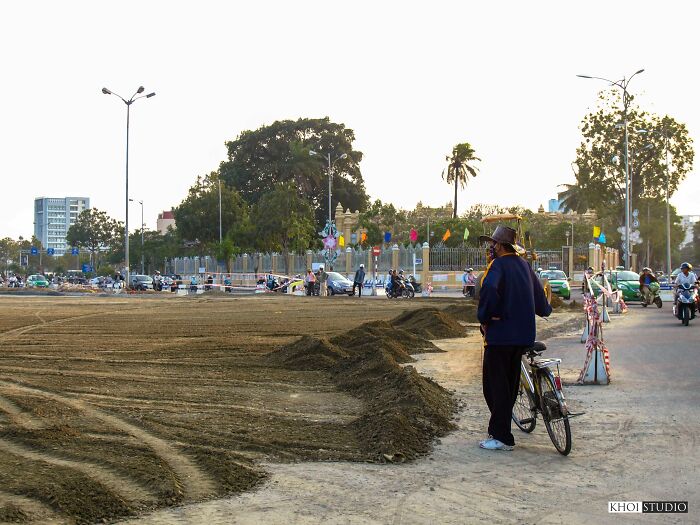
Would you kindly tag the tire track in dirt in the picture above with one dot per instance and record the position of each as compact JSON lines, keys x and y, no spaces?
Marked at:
{"x":20,"y":417}
{"x":196,"y":484}
{"x":37,"y":511}
{"x":116,"y":483}
{"x":140,"y":402}
{"x":9,"y":334}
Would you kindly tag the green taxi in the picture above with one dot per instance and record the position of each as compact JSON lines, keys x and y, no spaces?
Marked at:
{"x":37,"y":281}
{"x":558,"y":281}
{"x":625,"y":281}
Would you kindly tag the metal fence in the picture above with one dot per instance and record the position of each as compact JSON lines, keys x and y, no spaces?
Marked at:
{"x":549,"y":259}
{"x":442,"y":258}
{"x":456,"y":259}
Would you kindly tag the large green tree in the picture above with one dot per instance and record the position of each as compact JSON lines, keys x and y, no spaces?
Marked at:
{"x":281,"y":153}
{"x":600,"y":159}
{"x":459,"y":168}
{"x":96,"y":232}
{"x":284,"y":221}
{"x":197,"y":217}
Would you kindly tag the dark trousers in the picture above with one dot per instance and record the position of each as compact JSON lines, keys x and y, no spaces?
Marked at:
{"x":359,"y":289}
{"x":501,"y":377}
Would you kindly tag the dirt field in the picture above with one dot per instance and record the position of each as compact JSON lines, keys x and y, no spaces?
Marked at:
{"x":111,"y":406}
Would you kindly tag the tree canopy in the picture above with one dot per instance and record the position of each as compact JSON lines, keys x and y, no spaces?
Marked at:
{"x":197,"y":217}
{"x":281,"y":153}
{"x":96,"y":232}
{"x":600,"y":173}
{"x":599,"y":168}
{"x":283,"y":221}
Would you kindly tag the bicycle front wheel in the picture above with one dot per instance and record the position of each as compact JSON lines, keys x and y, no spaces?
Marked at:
{"x":554,"y":414}
{"x":524,"y":410}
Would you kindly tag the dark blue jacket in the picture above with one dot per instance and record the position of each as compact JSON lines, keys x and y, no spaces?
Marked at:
{"x":510,"y":297}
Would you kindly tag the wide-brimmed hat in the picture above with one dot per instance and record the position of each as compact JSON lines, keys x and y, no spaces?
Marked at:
{"x":502,"y":235}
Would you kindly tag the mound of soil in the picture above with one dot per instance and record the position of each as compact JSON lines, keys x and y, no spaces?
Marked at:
{"x":309,"y":353}
{"x":404,"y":411}
{"x":429,"y":323}
{"x":465,"y":312}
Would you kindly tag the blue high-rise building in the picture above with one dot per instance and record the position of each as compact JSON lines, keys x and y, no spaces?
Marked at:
{"x":52,"y":218}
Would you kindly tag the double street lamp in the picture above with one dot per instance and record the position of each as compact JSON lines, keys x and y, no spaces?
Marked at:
{"x":626,"y":99}
{"x":330,"y":178}
{"x":136,"y":96}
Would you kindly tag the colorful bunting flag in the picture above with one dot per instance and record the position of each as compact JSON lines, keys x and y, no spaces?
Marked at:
{"x":414,"y":235}
{"x":447,"y":235}
{"x":341,"y":241}
{"x":466,"y":233}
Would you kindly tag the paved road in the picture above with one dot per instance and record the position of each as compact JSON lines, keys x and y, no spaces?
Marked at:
{"x":636,"y":441}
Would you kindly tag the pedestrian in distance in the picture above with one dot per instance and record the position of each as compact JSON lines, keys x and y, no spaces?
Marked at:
{"x":359,"y":280}
{"x":468,"y":282}
{"x":323,"y":279}
{"x":309,"y":282}
{"x":510,"y":297}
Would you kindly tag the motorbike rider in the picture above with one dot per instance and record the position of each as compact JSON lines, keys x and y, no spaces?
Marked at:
{"x":645,"y":279}
{"x":396,"y":283}
{"x":157,"y":281}
{"x":685,"y":276}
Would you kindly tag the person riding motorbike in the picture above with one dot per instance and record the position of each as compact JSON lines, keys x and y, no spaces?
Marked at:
{"x":396,"y":284}
{"x":645,"y":279}
{"x":686,"y":276}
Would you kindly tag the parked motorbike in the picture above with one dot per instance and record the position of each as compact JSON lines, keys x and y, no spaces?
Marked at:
{"x":417,"y":288}
{"x":157,"y":283}
{"x":685,"y":306}
{"x":652,"y":296}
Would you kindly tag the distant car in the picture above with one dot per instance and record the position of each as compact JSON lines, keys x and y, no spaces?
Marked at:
{"x":558,"y":281}
{"x":141,"y":282}
{"x":625,"y":281}
{"x":37,"y":281}
{"x":339,"y":284}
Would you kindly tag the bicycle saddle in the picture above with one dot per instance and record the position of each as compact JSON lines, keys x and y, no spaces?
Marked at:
{"x":538,"y":348}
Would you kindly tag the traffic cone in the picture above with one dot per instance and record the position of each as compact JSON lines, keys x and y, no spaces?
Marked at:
{"x":586,"y":329}
{"x":596,"y":370}
{"x":605,"y":317}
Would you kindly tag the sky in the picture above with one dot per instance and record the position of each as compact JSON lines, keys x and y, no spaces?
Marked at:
{"x":412,"y":79}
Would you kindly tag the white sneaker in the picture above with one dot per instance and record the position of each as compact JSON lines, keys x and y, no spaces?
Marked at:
{"x":494,"y":444}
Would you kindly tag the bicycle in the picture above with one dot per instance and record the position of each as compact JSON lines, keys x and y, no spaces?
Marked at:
{"x":540,"y":391}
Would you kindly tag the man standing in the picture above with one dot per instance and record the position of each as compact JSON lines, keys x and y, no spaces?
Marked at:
{"x":359,"y":280}
{"x":511,"y":295}
{"x":323,"y":279}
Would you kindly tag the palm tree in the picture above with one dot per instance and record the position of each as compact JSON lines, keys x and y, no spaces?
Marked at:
{"x":459,"y":169}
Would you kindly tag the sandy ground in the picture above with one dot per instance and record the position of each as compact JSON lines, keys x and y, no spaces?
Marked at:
{"x":635,"y":442}
{"x":113,"y":406}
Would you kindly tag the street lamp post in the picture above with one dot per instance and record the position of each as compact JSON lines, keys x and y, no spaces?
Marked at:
{"x":143,"y":271}
{"x":128,"y":103}
{"x":220,"y":236}
{"x":623,"y":84}
{"x":666,"y":136}
{"x":330,"y":190}
{"x":330,"y":178}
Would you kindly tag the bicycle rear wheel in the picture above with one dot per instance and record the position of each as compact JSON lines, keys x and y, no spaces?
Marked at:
{"x":524,"y":410}
{"x":554,"y":414}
